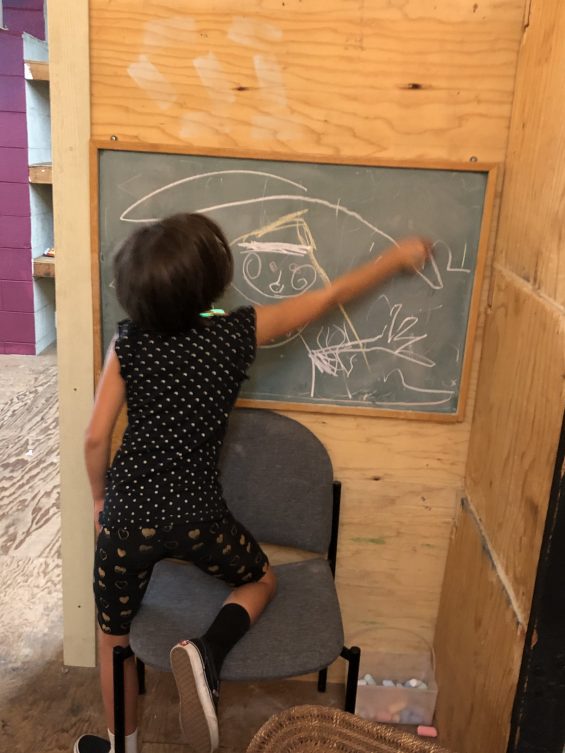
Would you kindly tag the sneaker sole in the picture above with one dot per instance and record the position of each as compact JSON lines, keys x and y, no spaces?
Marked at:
{"x":197,"y":715}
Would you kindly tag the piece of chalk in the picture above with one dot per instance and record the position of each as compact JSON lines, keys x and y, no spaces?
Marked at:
{"x":426,"y":731}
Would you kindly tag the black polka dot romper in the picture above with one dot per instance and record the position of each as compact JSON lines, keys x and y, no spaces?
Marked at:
{"x":163,"y":493}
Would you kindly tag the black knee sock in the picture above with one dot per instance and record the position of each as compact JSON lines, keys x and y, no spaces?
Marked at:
{"x":230,"y":625}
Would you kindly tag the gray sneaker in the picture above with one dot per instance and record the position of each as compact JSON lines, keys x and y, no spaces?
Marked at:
{"x":198,"y":686}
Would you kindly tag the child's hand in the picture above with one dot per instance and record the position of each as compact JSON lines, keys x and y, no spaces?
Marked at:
{"x":411,"y":254}
{"x":98,"y":507}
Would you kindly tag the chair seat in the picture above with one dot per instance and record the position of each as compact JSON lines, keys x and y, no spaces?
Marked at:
{"x":299,"y":632}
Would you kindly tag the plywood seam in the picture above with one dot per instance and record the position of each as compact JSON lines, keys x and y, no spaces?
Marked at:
{"x":496,"y":564}
{"x":527,"y":286}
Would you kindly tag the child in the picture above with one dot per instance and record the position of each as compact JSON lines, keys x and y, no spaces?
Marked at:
{"x":179,"y":373}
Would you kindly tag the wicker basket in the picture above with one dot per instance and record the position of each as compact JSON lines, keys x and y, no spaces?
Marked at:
{"x":320,"y":729}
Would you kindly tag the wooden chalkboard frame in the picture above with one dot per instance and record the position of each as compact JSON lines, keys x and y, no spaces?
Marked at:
{"x":489,"y":169}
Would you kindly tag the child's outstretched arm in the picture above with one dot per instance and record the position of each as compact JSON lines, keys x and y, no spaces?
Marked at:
{"x":110,"y":397}
{"x":275,"y":320}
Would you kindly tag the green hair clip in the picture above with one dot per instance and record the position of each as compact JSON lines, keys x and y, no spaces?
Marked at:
{"x":213,"y":312}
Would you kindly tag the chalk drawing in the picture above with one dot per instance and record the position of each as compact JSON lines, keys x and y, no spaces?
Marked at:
{"x":278,"y":260}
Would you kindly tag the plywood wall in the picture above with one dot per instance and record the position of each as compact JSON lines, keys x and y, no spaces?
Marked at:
{"x":418,"y":79}
{"x":519,"y":406}
{"x":490,"y":629}
{"x":410,"y":79}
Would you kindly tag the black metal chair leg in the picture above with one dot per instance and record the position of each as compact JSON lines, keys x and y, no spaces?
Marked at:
{"x":119,"y":656}
{"x":140,"y":666}
{"x":322,"y":680}
{"x":353,"y":656}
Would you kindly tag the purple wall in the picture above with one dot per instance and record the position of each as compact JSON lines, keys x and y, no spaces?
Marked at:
{"x":17,"y":329}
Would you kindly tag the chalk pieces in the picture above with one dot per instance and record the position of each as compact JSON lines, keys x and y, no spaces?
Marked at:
{"x":425,"y":731}
{"x":415,"y":684}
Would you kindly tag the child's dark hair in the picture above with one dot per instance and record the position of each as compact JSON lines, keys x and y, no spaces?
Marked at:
{"x":169,"y":272}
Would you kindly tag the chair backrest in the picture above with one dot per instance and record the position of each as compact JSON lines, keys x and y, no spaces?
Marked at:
{"x":277,"y":479}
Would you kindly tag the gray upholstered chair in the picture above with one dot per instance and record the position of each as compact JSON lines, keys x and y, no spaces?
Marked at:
{"x":278,"y":481}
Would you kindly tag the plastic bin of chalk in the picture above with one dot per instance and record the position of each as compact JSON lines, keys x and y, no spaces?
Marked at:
{"x":397,"y":705}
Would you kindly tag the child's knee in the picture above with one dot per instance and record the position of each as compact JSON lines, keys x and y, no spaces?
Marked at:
{"x":109,"y":641}
{"x":270,"y":581}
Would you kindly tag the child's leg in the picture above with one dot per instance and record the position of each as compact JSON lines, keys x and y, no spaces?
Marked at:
{"x":254,"y":597}
{"x":228,"y":551}
{"x":240,"y":610}
{"x":123,"y":564}
{"x":106,"y":645}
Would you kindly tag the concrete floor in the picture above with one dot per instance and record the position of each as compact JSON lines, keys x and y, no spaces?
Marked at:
{"x":44,"y":705}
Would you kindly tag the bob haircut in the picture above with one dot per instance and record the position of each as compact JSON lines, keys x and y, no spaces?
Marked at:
{"x":169,"y":272}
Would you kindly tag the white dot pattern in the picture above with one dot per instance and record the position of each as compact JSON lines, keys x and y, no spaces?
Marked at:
{"x":180,"y":390}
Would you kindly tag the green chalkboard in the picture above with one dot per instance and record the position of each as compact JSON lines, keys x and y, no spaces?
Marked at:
{"x":295,"y":225}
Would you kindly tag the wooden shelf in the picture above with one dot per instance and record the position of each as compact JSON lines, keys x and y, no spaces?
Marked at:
{"x":44,"y":266}
{"x":41,"y":173}
{"x":36,"y":70}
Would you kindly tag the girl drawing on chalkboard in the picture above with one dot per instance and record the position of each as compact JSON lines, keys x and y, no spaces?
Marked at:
{"x":179,"y":370}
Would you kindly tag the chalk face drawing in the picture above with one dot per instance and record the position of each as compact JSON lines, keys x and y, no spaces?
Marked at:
{"x":294,"y":227}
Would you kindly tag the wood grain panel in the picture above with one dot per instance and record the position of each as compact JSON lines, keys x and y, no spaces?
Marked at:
{"x":532,"y":221}
{"x":30,"y":613}
{"x":36,"y":70}
{"x":30,"y":407}
{"x":391,"y":560}
{"x":70,"y":126}
{"x":29,"y":488}
{"x":421,"y":79}
{"x":372,"y":449}
{"x":516,"y":426}
{"x":411,"y":80}
{"x":44,"y":266}
{"x":41,"y":173}
{"x":29,"y":460}
{"x":478,"y":647}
